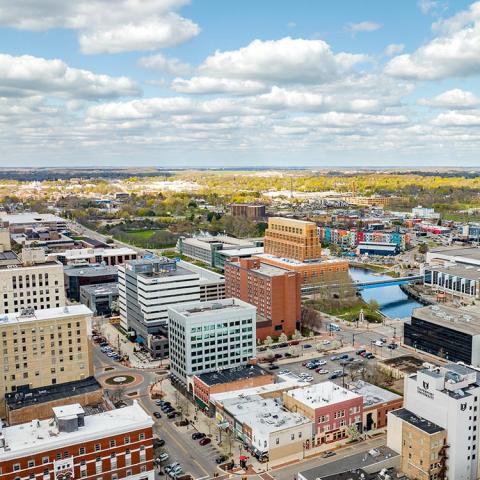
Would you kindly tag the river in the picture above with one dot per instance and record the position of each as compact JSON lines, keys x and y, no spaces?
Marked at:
{"x":393,"y":302}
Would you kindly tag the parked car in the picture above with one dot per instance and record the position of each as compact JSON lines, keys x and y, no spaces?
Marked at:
{"x":370,"y":356}
{"x":379,"y":343}
{"x":360,"y":351}
{"x":392,"y":346}
{"x":321,"y":371}
{"x":334,"y":357}
{"x":198,"y":435}
{"x":172,"y":414}
{"x":221,"y":459}
{"x":204,"y":441}
{"x":328,"y":454}
{"x":158,"y":442}
{"x":273,"y":367}
{"x":159,"y":403}
{"x":344,"y":356}
{"x":326,"y":342}
{"x":284,"y":372}
{"x":157,"y":414}
{"x":307,"y":345}
{"x":163,"y":457}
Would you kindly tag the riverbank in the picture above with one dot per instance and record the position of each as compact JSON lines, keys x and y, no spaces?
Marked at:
{"x":370,"y":266}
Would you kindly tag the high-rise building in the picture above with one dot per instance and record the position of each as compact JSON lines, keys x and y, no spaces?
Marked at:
{"x":146,"y":289}
{"x":209,"y":336}
{"x":442,"y":406}
{"x":32,"y":282}
{"x":273,"y":290}
{"x":44,"y":347}
{"x":289,"y":238}
{"x":115,"y":444}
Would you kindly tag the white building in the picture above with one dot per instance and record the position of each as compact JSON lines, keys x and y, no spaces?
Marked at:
{"x":450,"y":398}
{"x":423,"y":212}
{"x":109,"y":256}
{"x":212,"y":285}
{"x":147,"y":287}
{"x":207,"y":336}
{"x":19,"y":222}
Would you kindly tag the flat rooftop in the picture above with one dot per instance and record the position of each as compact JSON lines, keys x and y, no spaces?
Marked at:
{"x":202,"y":240}
{"x":466,"y":321}
{"x":372,"y":395}
{"x":288,"y":262}
{"x":466,"y":252}
{"x":94,"y":252}
{"x":241,"y":252}
{"x":206,"y":276}
{"x":458,"y":270}
{"x":232,"y":374}
{"x":90,"y":270}
{"x":416,"y":421}
{"x":174,"y":272}
{"x":101,"y":289}
{"x":266,"y":269}
{"x":322,"y":394}
{"x":29,"y":217}
{"x":35,"y":396}
{"x":199,"y":309}
{"x":30,"y":315}
{"x":40,"y":436}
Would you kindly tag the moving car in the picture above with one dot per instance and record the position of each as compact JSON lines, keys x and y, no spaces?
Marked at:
{"x":328,"y":454}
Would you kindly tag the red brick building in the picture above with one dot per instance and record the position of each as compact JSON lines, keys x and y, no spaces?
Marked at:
{"x":112,"y":445}
{"x":273,"y":290}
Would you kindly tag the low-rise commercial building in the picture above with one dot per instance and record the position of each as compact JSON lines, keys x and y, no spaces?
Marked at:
{"x":248,"y":210}
{"x":466,"y":256}
{"x":446,"y":332}
{"x":209,"y":336}
{"x":77,"y":276}
{"x":383,"y":249}
{"x":112,"y":444}
{"x":273,"y":290}
{"x":269,"y":430}
{"x":21,"y":222}
{"x":377,"y":403}
{"x":107,"y":256}
{"x":99,"y":298}
{"x":333,"y":409}
{"x":44,"y":347}
{"x":231,"y":379}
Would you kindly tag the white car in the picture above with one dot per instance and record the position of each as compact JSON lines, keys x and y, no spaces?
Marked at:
{"x":379,"y":343}
{"x":326,"y":342}
{"x":284,"y":372}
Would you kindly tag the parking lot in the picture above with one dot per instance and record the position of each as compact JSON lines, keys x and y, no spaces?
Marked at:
{"x":297,"y":368}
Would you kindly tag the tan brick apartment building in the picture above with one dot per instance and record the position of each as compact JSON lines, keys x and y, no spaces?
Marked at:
{"x":44,"y":347}
{"x":289,"y":238}
{"x":274,"y":291}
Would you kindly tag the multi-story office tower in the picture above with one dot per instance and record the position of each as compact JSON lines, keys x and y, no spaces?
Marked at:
{"x":77,"y":276}
{"x":147,"y":287}
{"x":289,"y":238}
{"x":445,"y":399}
{"x":44,"y":347}
{"x":208,"y":336}
{"x":273,"y":290}
{"x":34,"y":283}
{"x":116,"y":444}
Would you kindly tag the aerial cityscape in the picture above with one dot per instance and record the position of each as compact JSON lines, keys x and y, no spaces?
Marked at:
{"x":240,"y":240}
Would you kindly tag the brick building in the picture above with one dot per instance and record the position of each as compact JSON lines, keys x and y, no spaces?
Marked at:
{"x":237,"y":378}
{"x":274,"y":291}
{"x":112,"y":445}
{"x":289,"y":238}
{"x":332,"y":408}
{"x":248,"y":210}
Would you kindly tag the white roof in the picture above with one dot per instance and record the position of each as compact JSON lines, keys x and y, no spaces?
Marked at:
{"x":94,"y":252}
{"x":30,"y":217}
{"x":285,"y":384}
{"x":322,"y":394}
{"x":68,"y":410}
{"x":41,"y":436}
{"x":216,"y":308}
{"x":46,"y":314}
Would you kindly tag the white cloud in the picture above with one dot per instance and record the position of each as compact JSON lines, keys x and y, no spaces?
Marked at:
{"x":455,"y":53}
{"x":454,"y":99}
{"x":457,"y":119}
{"x":172,"y":66}
{"x":431,"y":6}
{"x":26,"y":75}
{"x":367,"y":26}
{"x":211,"y":85}
{"x":394,"y":49}
{"x":285,"y":60}
{"x":103,"y":26}
{"x":291,"y":25}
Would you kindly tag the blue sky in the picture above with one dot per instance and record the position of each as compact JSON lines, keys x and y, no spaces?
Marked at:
{"x":229,"y":83}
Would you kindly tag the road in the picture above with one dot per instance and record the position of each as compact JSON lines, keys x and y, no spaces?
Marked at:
{"x":196,"y":460}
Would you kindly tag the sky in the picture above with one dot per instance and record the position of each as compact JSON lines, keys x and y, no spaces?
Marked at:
{"x":250,"y":83}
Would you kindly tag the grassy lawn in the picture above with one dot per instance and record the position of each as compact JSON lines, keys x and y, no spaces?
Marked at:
{"x":141,"y":234}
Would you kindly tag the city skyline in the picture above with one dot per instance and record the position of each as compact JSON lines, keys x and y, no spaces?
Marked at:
{"x":178,"y":83}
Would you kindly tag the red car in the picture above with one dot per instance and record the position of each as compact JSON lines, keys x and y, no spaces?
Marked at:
{"x":204,"y":441}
